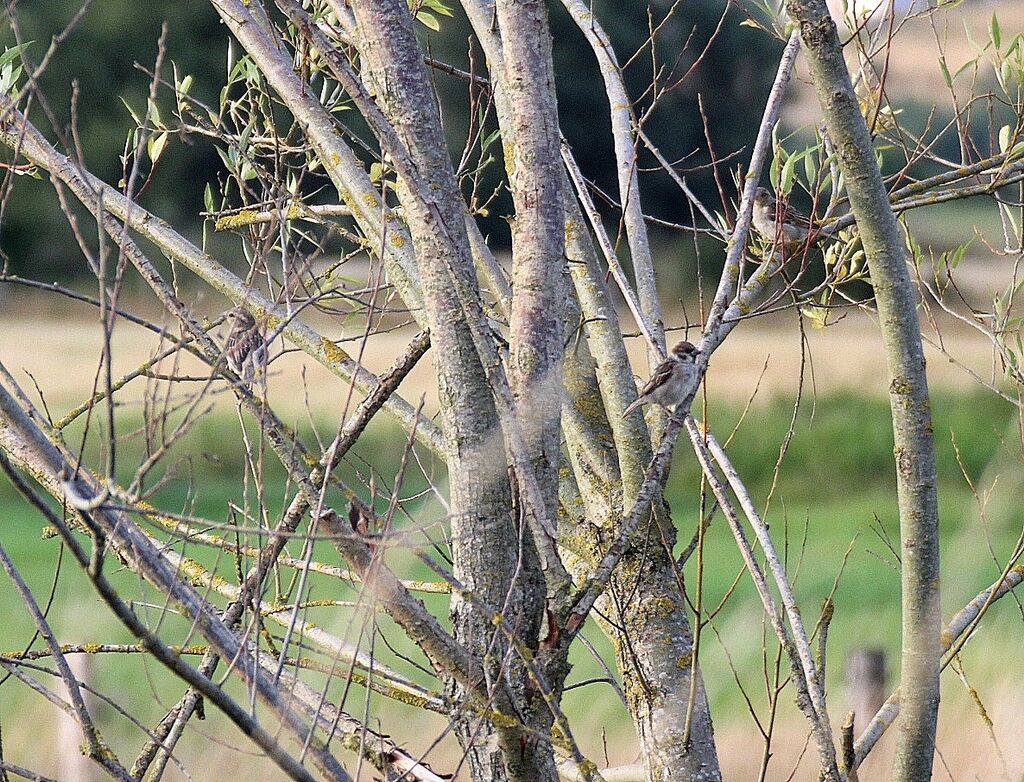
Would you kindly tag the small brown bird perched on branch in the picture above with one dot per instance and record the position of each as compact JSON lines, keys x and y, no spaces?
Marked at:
{"x":245,"y":349}
{"x":778,"y":221}
{"x":673,"y":379}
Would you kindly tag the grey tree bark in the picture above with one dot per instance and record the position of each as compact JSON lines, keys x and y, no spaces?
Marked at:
{"x":650,"y":628}
{"x":908,"y":389}
{"x":492,"y":550}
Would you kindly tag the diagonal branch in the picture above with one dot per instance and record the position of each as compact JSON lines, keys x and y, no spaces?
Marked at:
{"x":738,"y":241}
{"x":19,"y":134}
{"x":97,"y":748}
{"x":444,"y":652}
{"x":623,"y":135}
{"x":962,"y":623}
{"x":803,"y":678}
{"x":30,"y":450}
{"x":544,"y":531}
{"x":815,"y":683}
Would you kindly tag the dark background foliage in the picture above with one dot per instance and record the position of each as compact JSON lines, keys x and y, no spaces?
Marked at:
{"x":105,"y":59}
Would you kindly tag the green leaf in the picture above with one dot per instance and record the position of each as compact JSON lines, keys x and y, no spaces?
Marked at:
{"x":1006,"y":74}
{"x":438,"y":7}
{"x":208,"y":202}
{"x":945,"y":72}
{"x":239,"y":70}
{"x":788,"y":172}
{"x":225,"y":158}
{"x":429,"y":20}
{"x":811,"y":166}
{"x":1004,"y":138}
{"x":993,"y":29}
{"x":964,"y":67}
{"x":8,"y":55}
{"x":778,"y":161}
{"x":817,"y":315}
{"x":958,"y":254}
{"x":246,"y":134}
{"x":138,"y":120}
{"x":154,"y":114}
{"x":9,"y":78}
{"x":915,"y":248}
{"x":489,"y":139}
{"x":155,"y":145}
{"x":826,"y":181}
{"x":970,"y":38}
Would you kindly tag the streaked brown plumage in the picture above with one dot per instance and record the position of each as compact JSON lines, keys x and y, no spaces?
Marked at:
{"x":672,"y":380}
{"x":777,"y":220}
{"x":245,"y":349}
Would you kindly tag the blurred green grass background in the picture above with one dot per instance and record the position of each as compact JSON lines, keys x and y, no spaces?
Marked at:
{"x":833,"y":501}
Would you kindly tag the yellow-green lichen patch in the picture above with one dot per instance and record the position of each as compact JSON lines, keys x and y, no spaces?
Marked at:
{"x":572,"y":232}
{"x":499,"y":719}
{"x":582,"y":545}
{"x":946,"y":638}
{"x":237,"y":220}
{"x":434,"y":587}
{"x":333,"y":353}
{"x":199,"y":576}
{"x":661,"y":607}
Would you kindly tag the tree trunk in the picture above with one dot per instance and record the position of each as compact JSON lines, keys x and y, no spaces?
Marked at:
{"x":908,"y":389}
{"x":492,"y":550}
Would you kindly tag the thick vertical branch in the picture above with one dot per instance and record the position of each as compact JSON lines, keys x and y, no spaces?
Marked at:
{"x":536,"y":335}
{"x":908,"y":388}
{"x":491,"y":554}
{"x":384,"y":229}
{"x":623,"y":122}
{"x":646,"y":607}
{"x":538,"y":235}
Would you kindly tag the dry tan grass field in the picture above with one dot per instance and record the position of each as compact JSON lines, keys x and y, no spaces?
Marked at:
{"x":62,"y":353}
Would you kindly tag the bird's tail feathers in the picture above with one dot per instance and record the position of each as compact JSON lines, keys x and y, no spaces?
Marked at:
{"x":636,"y":403}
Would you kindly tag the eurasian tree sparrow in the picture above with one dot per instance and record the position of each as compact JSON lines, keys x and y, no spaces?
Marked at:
{"x":672,"y":381}
{"x":245,"y":349}
{"x":776,"y":220}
